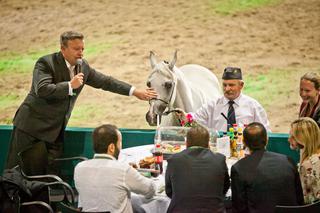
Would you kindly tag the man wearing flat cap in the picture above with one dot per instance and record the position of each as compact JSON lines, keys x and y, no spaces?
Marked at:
{"x":233,"y":107}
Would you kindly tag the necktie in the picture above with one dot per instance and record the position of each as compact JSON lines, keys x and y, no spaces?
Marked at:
{"x":231,"y":115}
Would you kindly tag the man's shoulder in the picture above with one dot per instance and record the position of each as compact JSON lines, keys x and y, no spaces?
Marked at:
{"x":266,"y":156}
{"x":245,"y":99}
{"x":214,"y":103}
{"x":98,"y":163}
{"x":50,"y":58}
{"x":273,"y":155}
{"x":204,"y":153}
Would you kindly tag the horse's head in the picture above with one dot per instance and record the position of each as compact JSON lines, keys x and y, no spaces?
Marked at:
{"x":163,"y":80}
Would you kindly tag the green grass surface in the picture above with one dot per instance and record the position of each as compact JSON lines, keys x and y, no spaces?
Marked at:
{"x":82,"y":113}
{"x":8,"y":100}
{"x":233,"y":6}
{"x":268,"y":87}
{"x":23,"y":63}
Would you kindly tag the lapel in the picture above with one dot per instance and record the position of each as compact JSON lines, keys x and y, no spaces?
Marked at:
{"x":62,"y":68}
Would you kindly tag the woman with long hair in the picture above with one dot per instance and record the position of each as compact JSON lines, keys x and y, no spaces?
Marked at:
{"x":305,"y":134}
{"x":310,"y":94}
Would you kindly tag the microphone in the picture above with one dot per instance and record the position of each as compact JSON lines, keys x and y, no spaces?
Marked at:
{"x":228,"y":121}
{"x":78,"y":66}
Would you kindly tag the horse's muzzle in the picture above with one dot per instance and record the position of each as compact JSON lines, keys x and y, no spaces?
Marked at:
{"x":152,"y":118}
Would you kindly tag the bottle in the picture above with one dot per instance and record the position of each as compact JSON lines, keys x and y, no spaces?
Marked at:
{"x":235,"y":129}
{"x":232,"y":142}
{"x":158,"y":160}
{"x":240,"y":151}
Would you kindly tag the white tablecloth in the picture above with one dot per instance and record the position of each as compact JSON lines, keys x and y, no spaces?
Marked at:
{"x":160,"y":202}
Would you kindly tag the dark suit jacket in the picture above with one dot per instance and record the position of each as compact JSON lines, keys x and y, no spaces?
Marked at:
{"x":196,"y":181}
{"x":47,"y":108}
{"x":263,"y":180}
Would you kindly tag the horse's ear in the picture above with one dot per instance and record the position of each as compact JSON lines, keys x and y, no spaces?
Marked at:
{"x":173,"y":62}
{"x":153,"y":60}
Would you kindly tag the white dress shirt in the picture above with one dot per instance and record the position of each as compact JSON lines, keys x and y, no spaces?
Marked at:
{"x":247,"y":110}
{"x":71,"y":73}
{"x":104,"y":184}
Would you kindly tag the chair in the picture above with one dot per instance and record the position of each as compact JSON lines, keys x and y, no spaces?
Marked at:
{"x":18,"y":192}
{"x":309,"y":208}
{"x":66,"y":167}
{"x":30,"y":170}
{"x":43,"y":206}
{"x":35,"y":168}
{"x":37,"y":165}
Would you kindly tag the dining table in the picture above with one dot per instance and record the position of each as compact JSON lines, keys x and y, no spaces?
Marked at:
{"x":160,"y":202}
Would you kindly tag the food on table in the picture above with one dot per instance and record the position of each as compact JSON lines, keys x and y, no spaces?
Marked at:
{"x":172,"y":148}
{"x":146,"y":162}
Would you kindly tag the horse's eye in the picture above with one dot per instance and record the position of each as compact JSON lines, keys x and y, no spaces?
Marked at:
{"x":148,"y":84}
{"x":168,"y":84}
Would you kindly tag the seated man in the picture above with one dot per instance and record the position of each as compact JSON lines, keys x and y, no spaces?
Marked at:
{"x":103,"y":183}
{"x":233,"y":107}
{"x":263,"y":179}
{"x":196,"y":178}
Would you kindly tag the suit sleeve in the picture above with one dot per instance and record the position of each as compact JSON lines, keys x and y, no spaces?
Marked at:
{"x":108,"y":83}
{"x":168,"y":183}
{"x":239,"y":195}
{"x":139,"y":184}
{"x":43,"y":82}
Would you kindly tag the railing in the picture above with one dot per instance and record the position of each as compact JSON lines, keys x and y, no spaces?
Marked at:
{"x":78,"y":142}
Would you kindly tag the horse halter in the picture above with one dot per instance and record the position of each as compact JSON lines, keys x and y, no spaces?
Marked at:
{"x":168,"y":105}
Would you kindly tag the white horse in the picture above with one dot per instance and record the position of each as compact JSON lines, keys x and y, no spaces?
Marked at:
{"x":187,"y":88}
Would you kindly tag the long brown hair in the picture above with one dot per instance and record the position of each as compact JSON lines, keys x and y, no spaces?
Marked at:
{"x":307,"y":132}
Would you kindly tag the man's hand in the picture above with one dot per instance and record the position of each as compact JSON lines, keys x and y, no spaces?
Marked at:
{"x":77,"y":81}
{"x":145,"y":95}
{"x":181,"y":114}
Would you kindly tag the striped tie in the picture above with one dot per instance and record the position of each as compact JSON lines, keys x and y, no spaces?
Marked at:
{"x":231,"y":115}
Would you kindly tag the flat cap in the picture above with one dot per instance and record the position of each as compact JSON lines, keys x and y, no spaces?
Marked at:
{"x":232,"y":73}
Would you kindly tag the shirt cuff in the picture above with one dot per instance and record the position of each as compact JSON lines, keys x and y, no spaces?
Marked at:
{"x":70,"y":89}
{"x":131,"y":90}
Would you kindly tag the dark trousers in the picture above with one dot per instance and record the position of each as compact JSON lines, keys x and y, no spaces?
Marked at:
{"x":37,"y":155}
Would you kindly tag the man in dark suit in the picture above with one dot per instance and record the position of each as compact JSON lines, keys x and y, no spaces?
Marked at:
{"x":263,"y":179}
{"x":196,"y":178}
{"x":57,"y":81}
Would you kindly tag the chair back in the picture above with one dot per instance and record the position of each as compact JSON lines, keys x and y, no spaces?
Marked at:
{"x":66,"y":167}
{"x":309,"y":208}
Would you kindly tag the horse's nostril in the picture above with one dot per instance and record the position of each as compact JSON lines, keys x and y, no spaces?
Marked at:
{"x":152,"y":118}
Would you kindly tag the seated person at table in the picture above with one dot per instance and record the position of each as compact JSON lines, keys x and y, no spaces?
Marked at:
{"x":305,"y":134}
{"x":197,"y":179}
{"x":104,"y":183}
{"x":310,"y":95}
{"x":233,"y":107}
{"x":263,"y":179}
